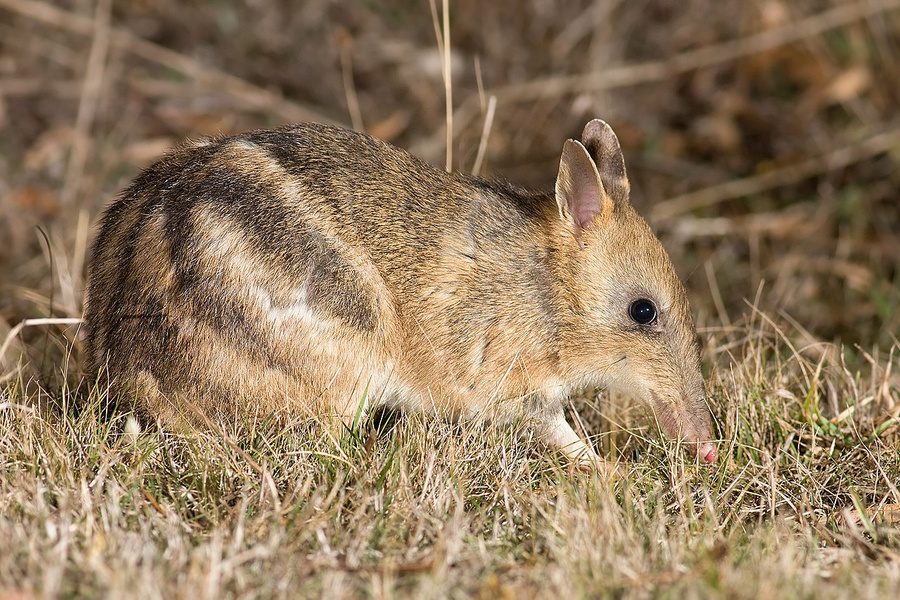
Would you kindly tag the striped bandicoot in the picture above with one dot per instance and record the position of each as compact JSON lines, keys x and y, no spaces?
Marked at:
{"x":312,"y":268}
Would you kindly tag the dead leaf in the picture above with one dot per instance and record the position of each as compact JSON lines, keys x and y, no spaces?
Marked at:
{"x":848,"y":85}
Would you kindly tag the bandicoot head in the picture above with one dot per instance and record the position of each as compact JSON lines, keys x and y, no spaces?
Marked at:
{"x":634,"y":332}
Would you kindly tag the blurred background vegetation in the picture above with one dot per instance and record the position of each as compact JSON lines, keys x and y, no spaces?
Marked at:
{"x":762,"y":137}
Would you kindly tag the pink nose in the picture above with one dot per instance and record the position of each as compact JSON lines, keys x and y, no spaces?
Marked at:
{"x":707,"y":452}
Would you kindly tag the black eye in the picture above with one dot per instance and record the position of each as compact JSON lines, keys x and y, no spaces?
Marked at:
{"x":642,"y":312}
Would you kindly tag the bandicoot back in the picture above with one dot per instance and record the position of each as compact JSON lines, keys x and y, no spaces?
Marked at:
{"x":318,"y":270}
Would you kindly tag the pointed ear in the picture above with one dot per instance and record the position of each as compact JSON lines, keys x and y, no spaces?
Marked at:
{"x":579,"y":190}
{"x":603,"y":146}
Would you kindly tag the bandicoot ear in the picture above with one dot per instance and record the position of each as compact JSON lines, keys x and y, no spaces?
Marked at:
{"x":603,"y":145}
{"x":579,"y":190}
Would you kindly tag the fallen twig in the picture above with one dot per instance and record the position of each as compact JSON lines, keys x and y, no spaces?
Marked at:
{"x":836,"y":159}
{"x":250,"y":94}
{"x":658,"y":70}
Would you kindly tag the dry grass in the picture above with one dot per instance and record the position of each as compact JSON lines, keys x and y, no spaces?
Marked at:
{"x":763,"y":147}
{"x":804,"y":504}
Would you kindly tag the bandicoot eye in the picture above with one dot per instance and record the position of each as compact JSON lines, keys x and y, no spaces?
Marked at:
{"x":642,"y":311}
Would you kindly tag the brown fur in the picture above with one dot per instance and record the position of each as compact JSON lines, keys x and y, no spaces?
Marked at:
{"x":311,"y":268}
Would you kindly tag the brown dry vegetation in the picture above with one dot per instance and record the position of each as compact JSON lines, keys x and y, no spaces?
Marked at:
{"x":763,"y":143}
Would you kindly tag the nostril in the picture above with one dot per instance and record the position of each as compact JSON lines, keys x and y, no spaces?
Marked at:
{"x":707,"y":453}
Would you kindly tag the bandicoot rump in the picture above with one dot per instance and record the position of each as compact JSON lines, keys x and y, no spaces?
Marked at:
{"x":318,"y":270}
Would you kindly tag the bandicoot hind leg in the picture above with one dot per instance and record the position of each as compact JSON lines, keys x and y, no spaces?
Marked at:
{"x":350,"y":402}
